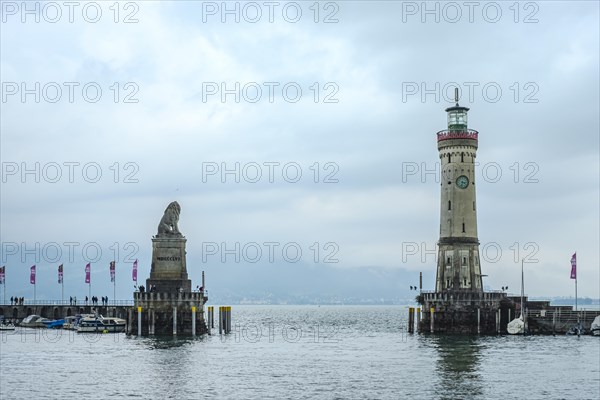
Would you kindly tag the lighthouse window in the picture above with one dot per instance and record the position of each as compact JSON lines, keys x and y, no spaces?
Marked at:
{"x":473,"y":206}
{"x":449,"y":205}
{"x":462,"y":157}
{"x":463,"y":227}
{"x":464,"y":260}
{"x":449,"y":158}
{"x":448,"y":260}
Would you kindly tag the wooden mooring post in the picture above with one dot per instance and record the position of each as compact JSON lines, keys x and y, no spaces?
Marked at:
{"x":220,"y":320}
{"x":139,"y":323}
{"x":193,"y":321}
{"x":498,"y":319}
{"x":431,"y":322}
{"x":411,"y":320}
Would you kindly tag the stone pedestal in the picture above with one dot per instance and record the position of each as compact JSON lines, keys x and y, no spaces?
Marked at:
{"x":168,"y":273}
{"x":462,"y":312}
{"x":168,"y":314}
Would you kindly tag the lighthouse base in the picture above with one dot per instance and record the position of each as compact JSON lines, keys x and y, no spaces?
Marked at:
{"x":464,"y":312}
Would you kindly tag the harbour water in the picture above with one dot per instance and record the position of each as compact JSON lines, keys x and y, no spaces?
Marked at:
{"x":302,"y":352}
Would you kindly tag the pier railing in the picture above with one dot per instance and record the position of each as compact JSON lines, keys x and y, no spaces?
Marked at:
{"x":28,"y":302}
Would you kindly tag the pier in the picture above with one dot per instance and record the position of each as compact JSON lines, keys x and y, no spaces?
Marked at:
{"x":167,"y":314}
{"x":490,"y":313}
{"x":57,"y":309}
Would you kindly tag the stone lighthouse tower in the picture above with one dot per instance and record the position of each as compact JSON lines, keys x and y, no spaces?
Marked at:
{"x":459,"y":304}
{"x":458,"y":267}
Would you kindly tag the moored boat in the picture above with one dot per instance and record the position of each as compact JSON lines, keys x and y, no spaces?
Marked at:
{"x":55,"y":324}
{"x":101,"y":324}
{"x":517,"y":325}
{"x":34,"y":321}
{"x":7,"y":327}
{"x":70,"y":322}
{"x":595,"y":328}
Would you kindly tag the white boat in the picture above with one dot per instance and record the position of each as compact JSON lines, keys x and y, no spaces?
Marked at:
{"x":7,"y":327}
{"x":70,"y":323}
{"x":517,"y":325}
{"x":34,"y":321}
{"x":595,"y":328}
{"x":101,"y":324}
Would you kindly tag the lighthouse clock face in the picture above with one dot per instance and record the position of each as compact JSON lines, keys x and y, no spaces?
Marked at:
{"x":462,"y":182}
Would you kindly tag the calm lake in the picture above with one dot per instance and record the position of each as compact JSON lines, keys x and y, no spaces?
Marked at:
{"x":299,"y":352}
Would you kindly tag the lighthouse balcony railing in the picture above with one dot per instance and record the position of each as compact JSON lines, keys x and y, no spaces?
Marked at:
{"x":461,"y":134}
{"x":166,"y":296}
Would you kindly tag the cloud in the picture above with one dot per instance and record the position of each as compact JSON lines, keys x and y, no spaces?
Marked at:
{"x":542,"y":126}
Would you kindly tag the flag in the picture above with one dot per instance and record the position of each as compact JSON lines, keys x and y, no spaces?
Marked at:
{"x":2,"y":275}
{"x":32,"y":275}
{"x":60,"y":273}
{"x":134,"y":272}
{"x":112,"y":271}
{"x":87,"y":273}
{"x":574,"y":266}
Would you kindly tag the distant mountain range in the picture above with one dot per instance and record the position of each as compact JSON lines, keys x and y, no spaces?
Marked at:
{"x":311,"y":284}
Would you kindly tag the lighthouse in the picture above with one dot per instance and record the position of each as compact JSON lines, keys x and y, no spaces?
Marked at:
{"x":458,"y":262}
{"x":459,"y":304}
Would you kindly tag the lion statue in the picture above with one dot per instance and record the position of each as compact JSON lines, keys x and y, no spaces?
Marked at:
{"x":168,"y":223}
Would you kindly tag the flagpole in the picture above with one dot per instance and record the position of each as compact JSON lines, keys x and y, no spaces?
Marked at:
{"x":114,"y":286}
{"x":576,"y":311}
{"x":62,"y":292}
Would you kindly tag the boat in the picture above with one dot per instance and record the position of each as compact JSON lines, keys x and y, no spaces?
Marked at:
{"x":70,"y":322}
{"x":595,"y":328}
{"x":517,"y":325}
{"x":55,"y":324}
{"x":34,"y":321}
{"x":101,"y":324}
{"x":4,"y":326}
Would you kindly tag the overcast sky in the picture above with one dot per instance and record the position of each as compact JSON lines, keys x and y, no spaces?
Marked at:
{"x":350,"y":94}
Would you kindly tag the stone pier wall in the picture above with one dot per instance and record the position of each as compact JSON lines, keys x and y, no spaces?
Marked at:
{"x":456,"y":312}
{"x":159,"y":310}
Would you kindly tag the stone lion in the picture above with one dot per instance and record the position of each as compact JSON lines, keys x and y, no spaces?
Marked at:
{"x":168,"y":223}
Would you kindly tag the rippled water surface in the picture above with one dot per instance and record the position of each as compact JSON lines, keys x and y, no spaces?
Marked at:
{"x":279,"y":352}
